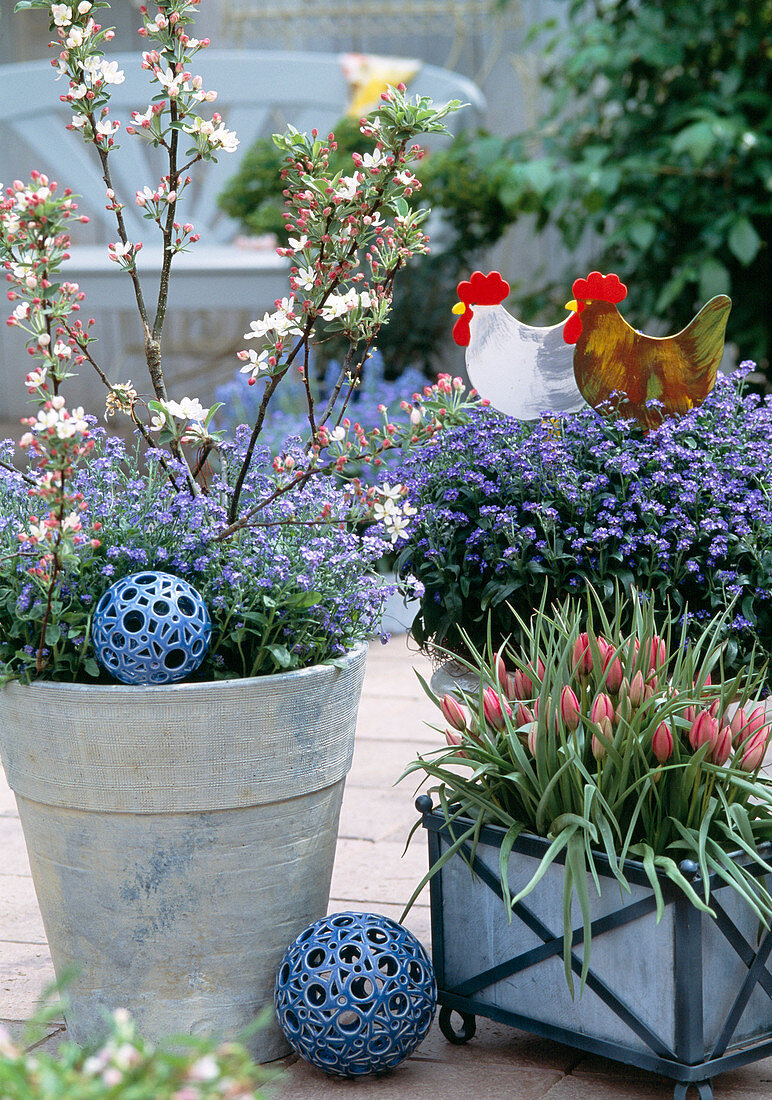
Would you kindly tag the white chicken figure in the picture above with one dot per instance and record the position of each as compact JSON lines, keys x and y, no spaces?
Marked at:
{"x":523,"y":371}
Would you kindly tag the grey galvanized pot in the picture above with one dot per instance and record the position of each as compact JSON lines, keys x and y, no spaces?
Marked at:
{"x":180,"y":837}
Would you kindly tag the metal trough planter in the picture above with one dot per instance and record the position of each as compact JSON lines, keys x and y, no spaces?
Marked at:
{"x":688,"y":998}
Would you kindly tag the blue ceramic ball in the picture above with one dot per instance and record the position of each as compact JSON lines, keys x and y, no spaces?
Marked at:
{"x":151,"y":628}
{"x":355,"y":994}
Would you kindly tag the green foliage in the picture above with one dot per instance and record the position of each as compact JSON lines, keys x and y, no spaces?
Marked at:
{"x":127,"y":1066}
{"x":461,"y":183}
{"x":532,"y":750}
{"x":658,"y":138}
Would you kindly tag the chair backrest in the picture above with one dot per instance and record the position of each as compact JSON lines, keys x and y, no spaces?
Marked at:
{"x":259,"y":93}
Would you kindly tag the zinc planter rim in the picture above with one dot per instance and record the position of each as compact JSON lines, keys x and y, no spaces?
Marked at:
{"x":186,"y":686}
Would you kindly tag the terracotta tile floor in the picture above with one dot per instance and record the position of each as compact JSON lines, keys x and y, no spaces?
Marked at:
{"x":371,"y":873}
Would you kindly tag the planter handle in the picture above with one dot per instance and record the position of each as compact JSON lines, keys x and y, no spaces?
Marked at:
{"x":468,"y":1028}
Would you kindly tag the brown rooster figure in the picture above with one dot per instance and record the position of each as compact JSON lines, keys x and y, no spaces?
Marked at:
{"x":610,"y":356}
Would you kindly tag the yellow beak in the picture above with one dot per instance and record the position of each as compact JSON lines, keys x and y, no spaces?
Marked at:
{"x":573,"y":305}
{"x":459,"y":308}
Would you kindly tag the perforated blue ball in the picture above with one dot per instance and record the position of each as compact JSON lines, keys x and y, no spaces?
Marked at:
{"x":355,"y":994}
{"x":151,"y":628}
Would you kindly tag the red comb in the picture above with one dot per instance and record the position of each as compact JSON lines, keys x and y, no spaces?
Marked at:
{"x":599,"y":288}
{"x":483,"y":290}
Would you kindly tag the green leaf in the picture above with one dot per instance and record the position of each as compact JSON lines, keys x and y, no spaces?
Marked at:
{"x":697,"y":140}
{"x":642,"y":233}
{"x":280,"y":654}
{"x":713,"y":278}
{"x":744,"y":241}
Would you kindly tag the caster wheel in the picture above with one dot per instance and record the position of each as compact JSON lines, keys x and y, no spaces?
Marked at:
{"x":468,"y":1028}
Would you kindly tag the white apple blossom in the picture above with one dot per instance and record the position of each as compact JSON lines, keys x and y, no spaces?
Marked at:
{"x":372,"y":160}
{"x":297,"y":244}
{"x":106,"y":128}
{"x":79,"y":121}
{"x":172,"y":82}
{"x":120,"y":252}
{"x":62,"y":350}
{"x":78,"y":91}
{"x":75,"y":38}
{"x":255,"y":364}
{"x":305,"y":278}
{"x":110,"y":72}
{"x":61,"y":15}
{"x":347,"y":187}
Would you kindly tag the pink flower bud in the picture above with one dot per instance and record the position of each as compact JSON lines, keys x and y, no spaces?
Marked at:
{"x":635,"y":694}
{"x":657,"y":653}
{"x":722,"y":746}
{"x":754,"y":750}
{"x":524,"y":715}
{"x":501,"y":671}
{"x":582,"y":657}
{"x":739,"y":724}
{"x":597,"y":746}
{"x":492,"y":708}
{"x":522,"y":688}
{"x":650,"y":687}
{"x":703,"y":730}
{"x":613,"y":668}
{"x":533,"y":733}
{"x":569,"y":708}
{"x":453,"y":737}
{"x":602,"y":707}
{"x":690,"y":713}
{"x":453,"y":712}
{"x":662,"y":743}
{"x":757,"y":721}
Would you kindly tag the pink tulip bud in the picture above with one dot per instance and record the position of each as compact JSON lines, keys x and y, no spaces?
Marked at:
{"x":501,"y":671}
{"x":690,"y":713}
{"x":569,"y":708}
{"x":713,"y":708}
{"x":582,"y":657}
{"x":602,"y":707}
{"x":453,"y":737}
{"x":509,"y":688}
{"x":703,"y":730}
{"x":453,"y":712}
{"x":757,"y":721}
{"x":662,"y":743}
{"x":524,"y":715}
{"x":494,"y":708}
{"x":613,"y":668}
{"x":650,"y":687}
{"x":533,"y":733}
{"x":522,"y":688}
{"x":657,"y":653}
{"x":739,"y":724}
{"x":755,"y":748}
{"x":722,"y":746}
{"x":635,"y":694}
{"x":597,"y":747}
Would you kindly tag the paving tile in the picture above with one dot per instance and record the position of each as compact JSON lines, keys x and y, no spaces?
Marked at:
{"x":21,"y":1032}
{"x":399,"y":720}
{"x":378,"y":815}
{"x":13,"y":852}
{"x":20,"y":918}
{"x":416,"y":1080}
{"x":378,"y":765}
{"x":25,"y":972}
{"x":591,"y":1087}
{"x":494,"y":1042}
{"x":378,"y":873}
{"x":7,"y":801}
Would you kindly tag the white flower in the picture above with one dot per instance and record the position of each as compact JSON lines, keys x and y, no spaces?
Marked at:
{"x":84,"y":6}
{"x":255,"y":364}
{"x":62,"y":350}
{"x":61,"y":14}
{"x":110,"y":72}
{"x":205,"y":1069}
{"x":347,"y":187}
{"x":305,"y":278}
{"x":79,"y":121}
{"x":224,"y":139}
{"x":106,"y":128}
{"x":297,"y":244}
{"x":120,"y":252}
{"x":338,"y":433}
{"x":75,"y":38}
{"x":373,"y":160}
{"x":337,"y":305}
{"x":78,"y":91}
{"x":258,"y":329}
{"x":36,"y":377}
{"x":171,"y":81}
{"x":189,"y":408}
